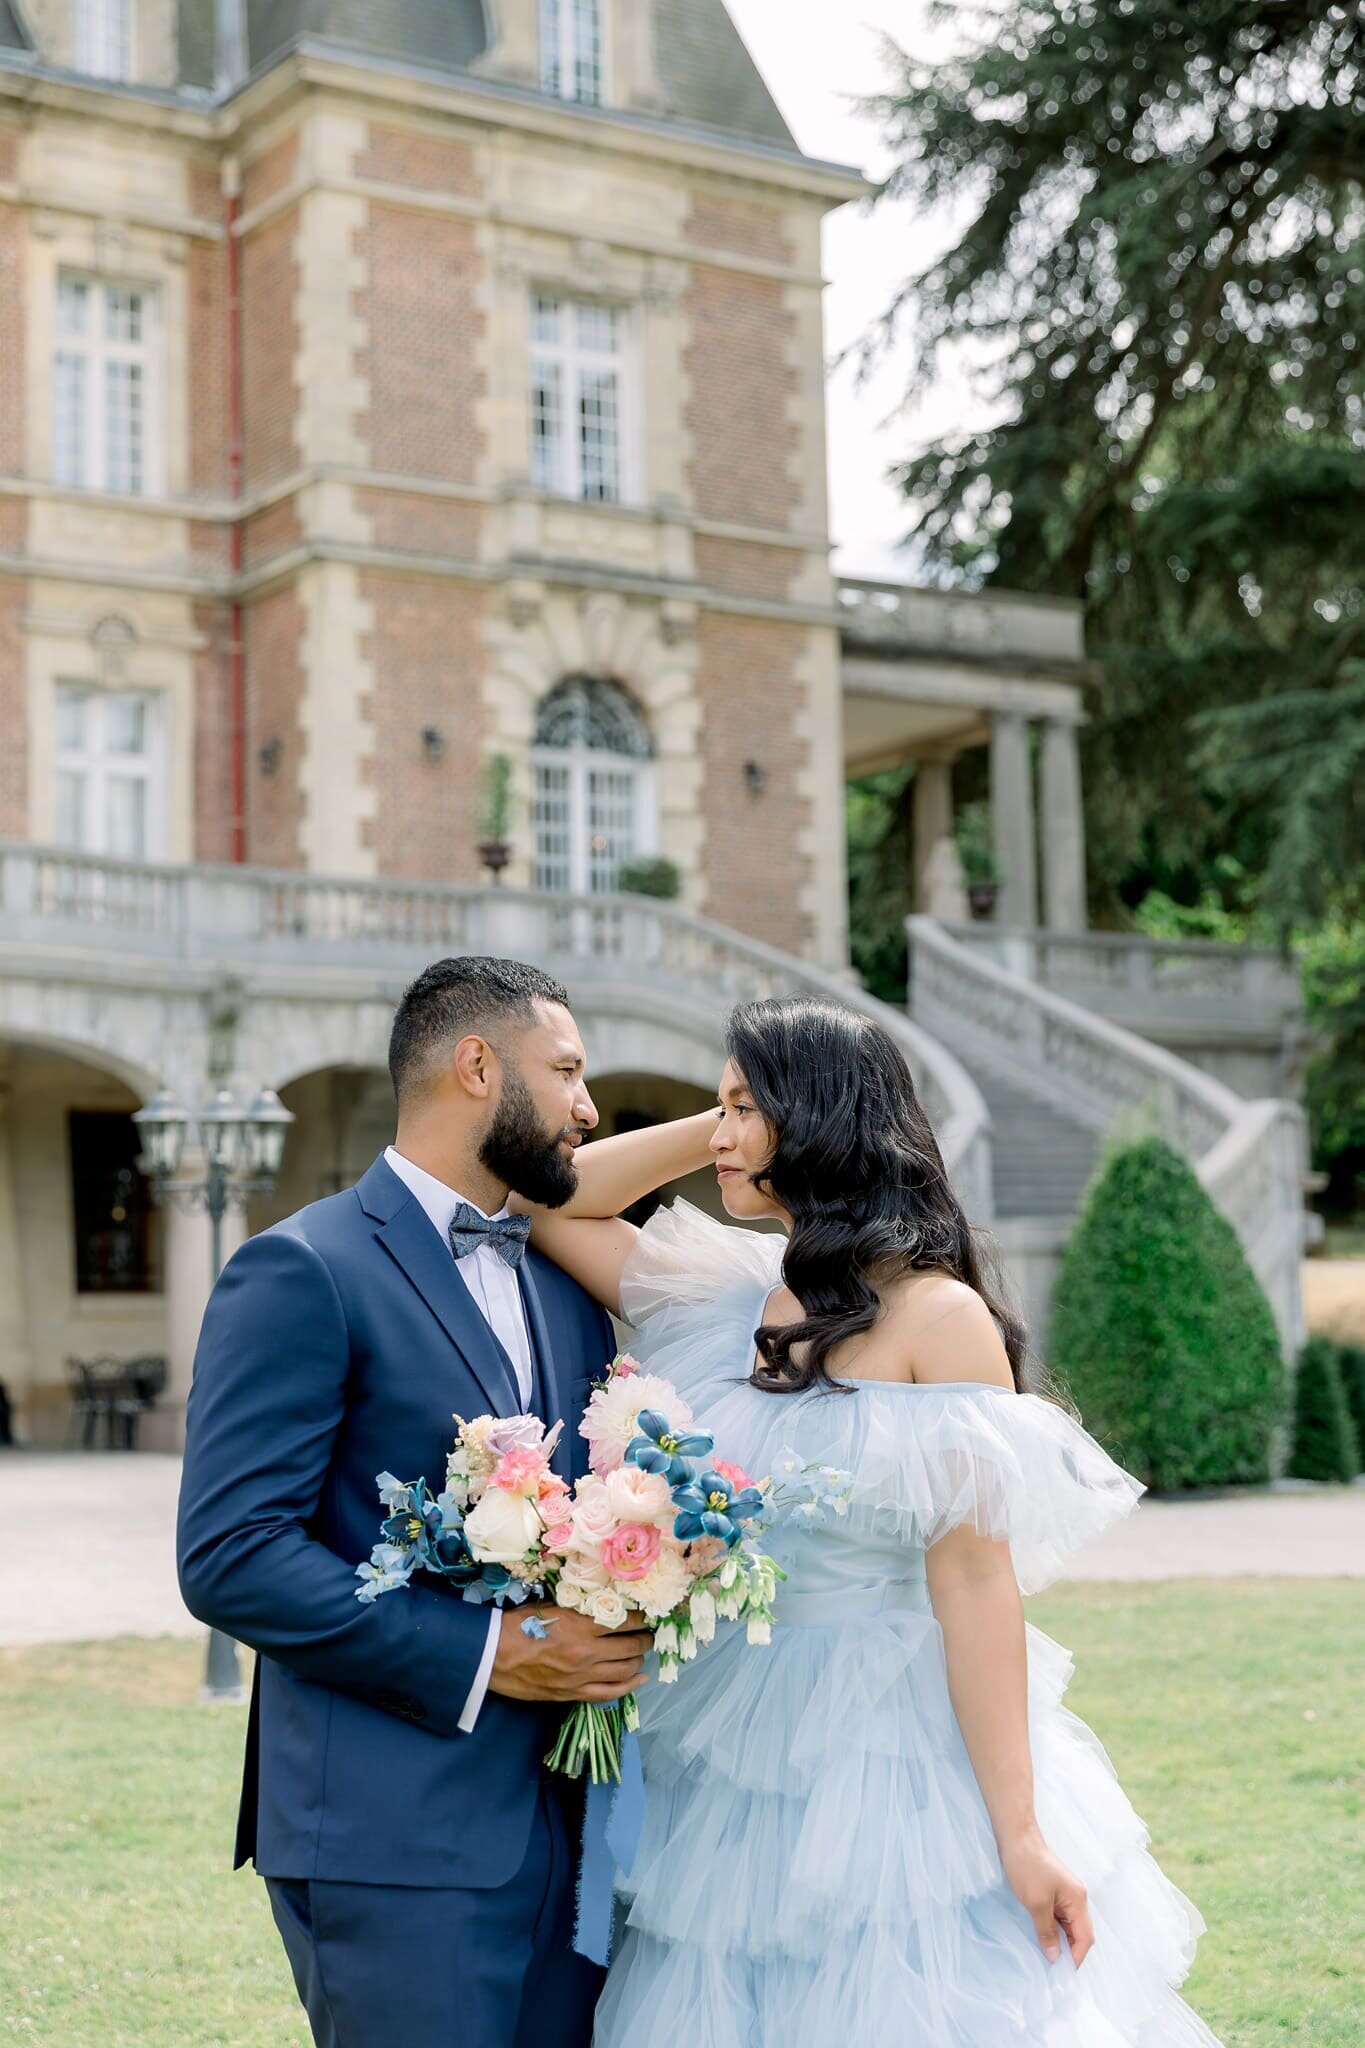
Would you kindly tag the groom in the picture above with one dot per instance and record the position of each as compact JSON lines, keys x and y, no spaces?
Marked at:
{"x":419,"y":1867}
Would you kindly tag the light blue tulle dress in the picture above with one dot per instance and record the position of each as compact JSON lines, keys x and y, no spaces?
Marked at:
{"x":818,"y":1869}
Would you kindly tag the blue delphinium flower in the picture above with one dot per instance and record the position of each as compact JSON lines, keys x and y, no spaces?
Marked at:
{"x":387,"y":1570}
{"x":711,"y":1506}
{"x":658,"y":1448}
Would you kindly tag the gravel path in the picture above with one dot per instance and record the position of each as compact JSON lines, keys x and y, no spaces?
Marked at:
{"x":112,"y":1573}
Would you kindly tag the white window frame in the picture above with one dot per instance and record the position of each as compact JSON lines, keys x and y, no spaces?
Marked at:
{"x":102,"y":38}
{"x":99,"y":766}
{"x":557,"y":24}
{"x":579,"y":762}
{"x":83,"y":446}
{"x":571,"y":363}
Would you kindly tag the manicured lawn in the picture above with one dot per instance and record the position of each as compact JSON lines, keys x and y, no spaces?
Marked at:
{"x":1233,"y":1713}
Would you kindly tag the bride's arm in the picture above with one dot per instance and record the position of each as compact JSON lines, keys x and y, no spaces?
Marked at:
{"x":976,"y":1602}
{"x":587,"y":1236}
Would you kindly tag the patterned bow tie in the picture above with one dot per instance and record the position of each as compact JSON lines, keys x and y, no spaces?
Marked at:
{"x":507,"y":1234}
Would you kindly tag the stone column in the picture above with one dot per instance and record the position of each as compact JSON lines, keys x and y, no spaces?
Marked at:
{"x":933,"y":822}
{"x":1063,"y":828}
{"x":14,"y":1353}
{"x":1012,"y":831}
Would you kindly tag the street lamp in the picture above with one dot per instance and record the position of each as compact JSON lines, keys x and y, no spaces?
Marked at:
{"x":243,"y":1150}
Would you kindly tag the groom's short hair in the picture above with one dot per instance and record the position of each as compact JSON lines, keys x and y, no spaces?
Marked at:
{"x":452,"y":999}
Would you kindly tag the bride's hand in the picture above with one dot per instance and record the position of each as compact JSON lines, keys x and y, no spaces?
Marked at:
{"x":1053,"y":1897}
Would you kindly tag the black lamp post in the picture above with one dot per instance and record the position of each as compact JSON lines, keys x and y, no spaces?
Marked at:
{"x":243,"y":1149}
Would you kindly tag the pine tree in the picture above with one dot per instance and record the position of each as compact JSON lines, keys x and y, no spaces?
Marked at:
{"x":1160,"y":277}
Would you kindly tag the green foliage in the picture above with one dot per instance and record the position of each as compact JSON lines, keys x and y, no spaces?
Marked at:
{"x":1154,"y":273}
{"x":1160,"y":1329}
{"x":1325,"y":1441}
{"x":496,"y":797}
{"x":1334,"y":996}
{"x":1351,"y":1359}
{"x":658,"y":878}
{"x":974,"y":847}
{"x":879,"y":816}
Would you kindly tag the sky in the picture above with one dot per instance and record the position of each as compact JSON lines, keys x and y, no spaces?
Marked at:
{"x":819,"y":57}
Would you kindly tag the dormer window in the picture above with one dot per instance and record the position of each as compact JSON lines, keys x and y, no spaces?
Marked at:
{"x":102,"y":37}
{"x":573,"y":50}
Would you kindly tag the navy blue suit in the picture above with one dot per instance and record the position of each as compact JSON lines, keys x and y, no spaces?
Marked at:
{"x":335,"y":1346}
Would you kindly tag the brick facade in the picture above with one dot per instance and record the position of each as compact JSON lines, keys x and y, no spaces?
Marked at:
{"x":424,"y":162}
{"x":13,"y":712}
{"x":276,"y":684}
{"x":213,"y":732}
{"x":744,"y":568}
{"x":755,"y":864}
{"x":424,"y":325}
{"x":426,"y":648}
{"x":739,"y":389}
{"x":270,"y":345}
{"x":416,"y":522}
{"x":13,"y":237}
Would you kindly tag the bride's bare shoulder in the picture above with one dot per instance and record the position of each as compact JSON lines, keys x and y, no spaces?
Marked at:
{"x":937,"y":1328}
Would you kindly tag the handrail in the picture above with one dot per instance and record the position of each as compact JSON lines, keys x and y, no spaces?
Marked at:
{"x":1250,"y":1155}
{"x":241,"y":919}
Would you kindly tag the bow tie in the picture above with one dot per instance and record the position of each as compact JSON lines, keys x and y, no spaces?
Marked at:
{"x":507,"y":1234}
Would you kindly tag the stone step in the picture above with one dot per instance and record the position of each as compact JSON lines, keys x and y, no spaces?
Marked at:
{"x":1043,"y":1160}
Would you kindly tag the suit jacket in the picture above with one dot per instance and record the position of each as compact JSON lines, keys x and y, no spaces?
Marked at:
{"x":338,"y":1345}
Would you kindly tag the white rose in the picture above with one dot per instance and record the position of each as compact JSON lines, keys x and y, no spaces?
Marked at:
{"x":607,"y":1607}
{"x":502,"y":1528}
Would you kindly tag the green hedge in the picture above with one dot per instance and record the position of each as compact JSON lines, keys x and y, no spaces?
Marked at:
{"x":1351,"y":1358}
{"x":1325,"y":1442}
{"x":1161,"y":1331}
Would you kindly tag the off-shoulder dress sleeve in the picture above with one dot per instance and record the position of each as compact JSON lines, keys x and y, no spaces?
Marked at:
{"x":683,"y":1259}
{"x":1014,"y":1466}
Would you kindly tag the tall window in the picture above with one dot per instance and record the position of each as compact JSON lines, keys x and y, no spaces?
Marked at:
{"x":102,"y":37}
{"x":580,"y":393}
{"x":102,"y":428}
{"x":110,"y":774}
{"x":572,"y":51}
{"x":594,"y":787}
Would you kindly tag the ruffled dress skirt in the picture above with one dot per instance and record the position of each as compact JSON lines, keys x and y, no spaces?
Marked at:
{"x":818,"y":1868}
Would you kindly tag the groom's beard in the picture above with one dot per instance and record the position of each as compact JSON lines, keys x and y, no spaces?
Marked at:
{"x":518,"y":1151}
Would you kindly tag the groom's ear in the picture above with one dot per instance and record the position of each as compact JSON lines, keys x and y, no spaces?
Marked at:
{"x":476,"y":1067}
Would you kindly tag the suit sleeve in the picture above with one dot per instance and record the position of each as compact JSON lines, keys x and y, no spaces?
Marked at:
{"x":264,"y":1410}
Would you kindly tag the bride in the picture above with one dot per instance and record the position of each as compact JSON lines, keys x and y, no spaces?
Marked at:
{"x":884,"y":1829}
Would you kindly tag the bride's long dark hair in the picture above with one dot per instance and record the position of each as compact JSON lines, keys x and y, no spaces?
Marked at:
{"x":857,"y":1167}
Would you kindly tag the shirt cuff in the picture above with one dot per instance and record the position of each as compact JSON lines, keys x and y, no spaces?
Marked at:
{"x":479,"y":1688}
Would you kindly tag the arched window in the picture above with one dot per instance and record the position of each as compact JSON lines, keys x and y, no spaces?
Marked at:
{"x":594,"y":786}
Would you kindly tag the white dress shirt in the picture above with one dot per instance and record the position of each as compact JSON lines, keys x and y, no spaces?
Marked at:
{"x":493,"y":1285}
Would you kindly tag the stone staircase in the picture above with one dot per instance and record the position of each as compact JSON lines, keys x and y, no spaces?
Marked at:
{"x":1054,"y":1080}
{"x":1042,"y":1160}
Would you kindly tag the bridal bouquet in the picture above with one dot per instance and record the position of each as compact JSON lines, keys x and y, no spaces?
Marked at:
{"x":659,"y":1527}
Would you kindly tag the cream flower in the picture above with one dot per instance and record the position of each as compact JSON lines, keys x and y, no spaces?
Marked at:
{"x":663,"y":1586}
{"x":607,"y":1607}
{"x":502,"y":1528}
{"x":636,"y":1496}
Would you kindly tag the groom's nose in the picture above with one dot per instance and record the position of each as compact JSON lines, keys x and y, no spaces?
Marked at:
{"x":585,"y":1110}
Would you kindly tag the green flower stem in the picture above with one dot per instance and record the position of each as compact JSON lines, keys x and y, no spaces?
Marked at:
{"x":592,"y":1736}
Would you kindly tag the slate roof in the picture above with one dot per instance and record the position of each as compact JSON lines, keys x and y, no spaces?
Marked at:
{"x":706,"y":74}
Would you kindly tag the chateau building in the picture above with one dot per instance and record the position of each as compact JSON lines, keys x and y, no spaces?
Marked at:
{"x":412,"y":445}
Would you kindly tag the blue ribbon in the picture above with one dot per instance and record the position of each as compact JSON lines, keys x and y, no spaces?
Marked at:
{"x":613,"y":1823}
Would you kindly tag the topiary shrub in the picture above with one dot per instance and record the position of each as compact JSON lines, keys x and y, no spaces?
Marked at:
{"x":1351,"y":1358}
{"x":1161,"y":1331}
{"x":1325,"y":1442}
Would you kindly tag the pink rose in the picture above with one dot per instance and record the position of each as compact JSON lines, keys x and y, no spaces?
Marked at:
{"x":736,"y":1474}
{"x":630,"y":1550}
{"x":520,"y":1472}
{"x":559,"y":1537}
{"x":636,"y":1496}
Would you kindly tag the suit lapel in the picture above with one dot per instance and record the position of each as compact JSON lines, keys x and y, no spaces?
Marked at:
{"x":543,"y":1354}
{"x":408,"y":1237}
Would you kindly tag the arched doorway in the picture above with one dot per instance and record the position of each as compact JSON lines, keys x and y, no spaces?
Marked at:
{"x":82,"y":1247}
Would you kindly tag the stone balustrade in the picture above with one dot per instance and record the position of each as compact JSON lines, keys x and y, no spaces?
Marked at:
{"x":1127,"y":970}
{"x":1250,"y":1155}
{"x":973,"y":625}
{"x":78,"y":920}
